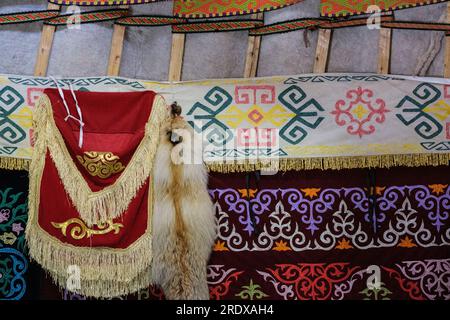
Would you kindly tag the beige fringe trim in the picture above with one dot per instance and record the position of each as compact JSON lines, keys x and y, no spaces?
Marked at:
{"x":106,"y":289}
{"x":336,"y":163}
{"x":112,"y":201}
{"x":104,"y":272}
{"x":14,"y":163}
{"x":100,"y":264}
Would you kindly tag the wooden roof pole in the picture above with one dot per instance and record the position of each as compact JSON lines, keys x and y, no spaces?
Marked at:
{"x":322,"y":50}
{"x":45,"y":45}
{"x":115,"y":55}
{"x":384,"y":51}
{"x":176,"y":56}
{"x":253,"y":49}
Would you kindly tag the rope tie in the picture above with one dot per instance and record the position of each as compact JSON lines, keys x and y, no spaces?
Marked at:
{"x":69,"y":115}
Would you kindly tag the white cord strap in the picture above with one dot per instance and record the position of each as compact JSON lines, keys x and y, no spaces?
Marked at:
{"x":69,"y":115}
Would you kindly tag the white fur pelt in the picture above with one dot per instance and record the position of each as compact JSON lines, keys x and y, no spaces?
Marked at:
{"x":184,"y":226}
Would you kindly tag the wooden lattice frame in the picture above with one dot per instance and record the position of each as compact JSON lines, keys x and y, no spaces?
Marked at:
{"x":251,"y":58}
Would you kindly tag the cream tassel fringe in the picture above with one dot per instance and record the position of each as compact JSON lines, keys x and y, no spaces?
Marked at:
{"x":106,"y":289}
{"x":112,"y":201}
{"x":14,"y":163}
{"x":101,"y":264}
{"x":335,"y":163}
{"x":103,"y":272}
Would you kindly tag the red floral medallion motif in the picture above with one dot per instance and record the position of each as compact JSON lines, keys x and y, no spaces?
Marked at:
{"x":312,"y":281}
{"x":359,"y":112}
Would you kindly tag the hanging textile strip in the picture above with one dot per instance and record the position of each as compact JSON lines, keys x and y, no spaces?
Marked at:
{"x":88,"y":17}
{"x":358,"y":22}
{"x":311,"y":121}
{"x":103,"y":225}
{"x":308,"y":23}
{"x":218,"y":8}
{"x":429,"y":26}
{"x":336,"y":8}
{"x":311,"y":23}
{"x":287,"y":26}
{"x":147,"y":20}
{"x":30,"y":16}
{"x":100,"y":2}
{"x":216,"y":26}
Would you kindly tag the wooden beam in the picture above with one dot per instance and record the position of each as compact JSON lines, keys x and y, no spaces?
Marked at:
{"x":176,"y":56}
{"x":447,"y":48}
{"x":115,"y":55}
{"x":45,"y":45}
{"x":322,"y":50}
{"x":384,"y":50}
{"x":253,"y":48}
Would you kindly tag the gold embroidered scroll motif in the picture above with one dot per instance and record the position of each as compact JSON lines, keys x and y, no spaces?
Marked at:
{"x":79,"y":230}
{"x":101,"y":164}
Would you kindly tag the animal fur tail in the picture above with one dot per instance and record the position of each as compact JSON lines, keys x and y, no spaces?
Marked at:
{"x":184,"y":226}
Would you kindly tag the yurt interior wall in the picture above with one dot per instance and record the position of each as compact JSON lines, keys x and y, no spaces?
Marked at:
{"x":324,"y":173}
